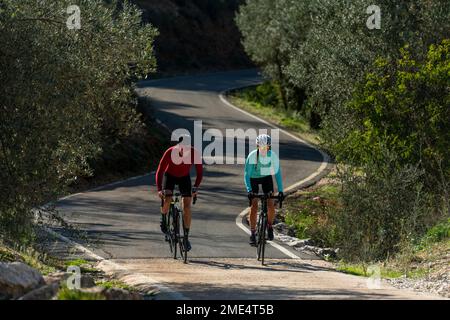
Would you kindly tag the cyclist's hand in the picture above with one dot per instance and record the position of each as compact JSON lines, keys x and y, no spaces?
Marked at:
{"x":194,"y":192}
{"x":250,"y":196}
{"x":281,"y":196}
{"x":161,"y":194}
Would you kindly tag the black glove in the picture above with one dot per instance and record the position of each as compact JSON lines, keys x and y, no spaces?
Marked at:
{"x":281,"y":196}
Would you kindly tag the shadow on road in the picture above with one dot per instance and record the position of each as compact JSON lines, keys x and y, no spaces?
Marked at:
{"x":209,"y":291}
{"x":283,"y":266}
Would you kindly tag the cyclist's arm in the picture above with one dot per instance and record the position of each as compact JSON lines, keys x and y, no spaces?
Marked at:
{"x":162,"y":166}
{"x":248,"y":173}
{"x":277,"y":168}
{"x":198,"y":180}
{"x":198,"y":168}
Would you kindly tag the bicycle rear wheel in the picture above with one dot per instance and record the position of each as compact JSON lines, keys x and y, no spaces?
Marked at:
{"x":263,"y":242}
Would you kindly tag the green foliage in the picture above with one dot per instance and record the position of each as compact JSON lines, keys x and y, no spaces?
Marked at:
{"x":310,"y":215}
{"x":262,"y":100}
{"x":325,"y":48}
{"x":76,"y":262}
{"x":65,"y":98}
{"x":68,"y":294}
{"x":272,"y":31}
{"x":384,"y":206}
{"x":404,"y":106}
{"x":354,"y":269}
{"x":383,"y":96}
{"x":265,"y":94}
{"x":386,"y":272}
{"x":114,"y":284}
{"x":437,"y":233}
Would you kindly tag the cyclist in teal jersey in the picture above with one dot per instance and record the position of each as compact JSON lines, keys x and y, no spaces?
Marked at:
{"x":260,"y":167}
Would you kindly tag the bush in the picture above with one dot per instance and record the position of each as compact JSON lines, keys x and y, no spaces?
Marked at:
{"x":384,"y":205}
{"x":438,"y":233}
{"x":403,"y":105}
{"x":310,"y":215}
{"x":68,"y":294}
{"x":265,"y":94}
{"x":65,"y":97}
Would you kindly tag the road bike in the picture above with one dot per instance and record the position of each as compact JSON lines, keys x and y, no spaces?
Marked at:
{"x":176,"y":230}
{"x":261,"y":228}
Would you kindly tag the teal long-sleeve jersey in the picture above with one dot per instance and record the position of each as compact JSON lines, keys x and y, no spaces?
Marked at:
{"x":266,"y":166}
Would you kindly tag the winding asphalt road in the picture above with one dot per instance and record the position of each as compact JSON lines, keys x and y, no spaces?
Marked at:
{"x":124,"y":217}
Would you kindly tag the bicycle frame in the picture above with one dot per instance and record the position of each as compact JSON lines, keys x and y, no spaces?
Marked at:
{"x":176,"y":228}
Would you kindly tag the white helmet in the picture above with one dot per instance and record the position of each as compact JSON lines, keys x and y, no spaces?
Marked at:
{"x":263,"y":140}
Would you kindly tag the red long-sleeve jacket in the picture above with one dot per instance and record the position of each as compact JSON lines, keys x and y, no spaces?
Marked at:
{"x":179,"y":169}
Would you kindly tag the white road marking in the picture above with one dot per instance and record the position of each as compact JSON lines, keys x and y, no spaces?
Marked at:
{"x":325,"y":161}
{"x":273,"y":244}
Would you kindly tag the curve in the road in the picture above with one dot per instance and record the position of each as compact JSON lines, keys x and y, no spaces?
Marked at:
{"x":126,"y":219}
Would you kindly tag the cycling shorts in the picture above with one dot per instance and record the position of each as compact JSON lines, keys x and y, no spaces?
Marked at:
{"x":265,"y":182}
{"x":184,"y":183}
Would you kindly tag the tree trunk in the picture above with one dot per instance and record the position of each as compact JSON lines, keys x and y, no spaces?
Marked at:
{"x":281,"y":82}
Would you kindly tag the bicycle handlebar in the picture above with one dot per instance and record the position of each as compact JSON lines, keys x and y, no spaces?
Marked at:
{"x":176,"y":195}
{"x":262,"y":196}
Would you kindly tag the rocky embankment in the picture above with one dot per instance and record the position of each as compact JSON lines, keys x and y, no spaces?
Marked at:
{"x":18,"y":281}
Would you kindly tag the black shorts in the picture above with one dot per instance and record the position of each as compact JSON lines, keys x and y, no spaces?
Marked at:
{"x":265,"y":182}
{"x":184,"y":183}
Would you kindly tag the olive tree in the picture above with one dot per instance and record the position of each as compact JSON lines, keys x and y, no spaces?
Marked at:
{"x":66,"y":94}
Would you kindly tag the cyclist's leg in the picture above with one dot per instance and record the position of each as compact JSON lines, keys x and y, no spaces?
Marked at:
{"x":167,"y":201}
{"x":253,"y":214}
{"x":267,"y":186}
{"x":186,"y":192}
{"x":253,"y":211}
{"x":168,"y":187}
{"x":187,"y":212}
{"x":270,"y":218}
{"x":254,"y":182}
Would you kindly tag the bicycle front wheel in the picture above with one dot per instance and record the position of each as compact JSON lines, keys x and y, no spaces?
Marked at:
{"x":260,"y":237}
{"x":183,"y":243}
{"x":263,"y":242}
{"x":169,"y":229}
{"x":176,"y":232}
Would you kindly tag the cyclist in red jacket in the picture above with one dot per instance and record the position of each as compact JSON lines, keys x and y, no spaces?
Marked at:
{"x":174,"y":169}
